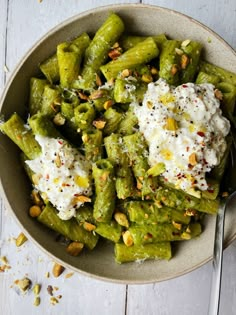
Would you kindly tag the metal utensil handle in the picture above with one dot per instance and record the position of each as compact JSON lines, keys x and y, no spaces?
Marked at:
{"x":217,"y":261}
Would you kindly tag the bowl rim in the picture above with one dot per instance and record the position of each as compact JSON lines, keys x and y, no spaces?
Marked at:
{"x":8,"y":85}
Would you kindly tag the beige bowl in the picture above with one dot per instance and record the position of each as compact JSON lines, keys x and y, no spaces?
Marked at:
{"x":139,"y":19}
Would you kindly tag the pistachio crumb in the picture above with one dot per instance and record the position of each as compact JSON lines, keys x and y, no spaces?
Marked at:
{"x":69,"y":275}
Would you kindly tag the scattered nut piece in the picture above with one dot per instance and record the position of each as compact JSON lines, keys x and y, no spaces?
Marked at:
{"x":59,"y":119}
{"x":21,"y":239}
{"x":190,"y":212}
{"x":53,"y":300}
{"x":150,"y":104}
{"x":185,"y":43}
{"x":171,"y":124}
{"x":23,"y":284}
{"x":179,"y":51}
{"x":177,"y":225}
{"x":107,"y":104}
{"x":4,"y":260}
{"x":115,"y":53}
{"x":96,"y":94}
{"x":99,"y":123}
{"x":128,"y":239}
{"x":47,"y":274}
{"x":35,"y":211}
{"x":37,"y":288}
{"x":192,"y":159}
{"x":36,"y":198}
{"x":74,"y":248}
{"x":126,"y":73}
{"x":85,"y":137}
{"x":83,"y":96}
{"x":3,"y":268}
{"x":37,"y":301}
{"x":174,"y":69}
{"x":188,"y":230}
{"x":154,"y":71}
{"x":121,"y":219}
{"x":218,"y":94}
{"x":69,"y":275}
{"x":184,"y":61}
{"x":82,"y":198}
{"x":36,"y":178}
{"x":185,"y":236}
{"x":57,"y":270}
{"x":116,"y":45}
{"x":89,"y":226}
{"x":50,"y":290}
{"x":139,"y":184}
{"x":98,"y":80}
{"x":147,"y":78}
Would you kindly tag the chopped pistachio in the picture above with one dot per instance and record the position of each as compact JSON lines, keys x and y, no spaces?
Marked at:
{"x":192,"y":159}
{"x":21,"y":239}
{"x":98,"y":80}
{"x":37,"y":301}
{"x":171,"y":124}
{"x":69,"y":275}
{"x":185,"y":43}
{"x":174,"y":69}
{"x":147,"y":78}
{"x":178,"y":51}
{"x":108,"y":104}
{"x":121,"y":219}
{"x":96,"y":94}
{"x":184,"y":61}
{"x":177,"y":225}
{"x":186,"y":236}
{"x":89,"y":226}
{"x":59,"y":119}
{"x":157,"y":169}
{"x":57,"y":270}
{"x":128,"y":239}
{"x":24,"y":284}
{"x":74,"y":248}
{"x":53,"y":300}
{"x":99,"y":123}
{"x":37,"y":288}
{"x":4,"y":260}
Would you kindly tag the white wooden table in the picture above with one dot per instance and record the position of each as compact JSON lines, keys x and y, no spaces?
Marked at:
{"x":22,"y":23}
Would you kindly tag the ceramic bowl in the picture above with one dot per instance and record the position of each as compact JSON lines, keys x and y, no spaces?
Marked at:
{"x":100,"y":263}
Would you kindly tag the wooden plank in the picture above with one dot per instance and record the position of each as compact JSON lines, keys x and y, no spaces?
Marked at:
{"x":188,"y":294}
{"x":27,"y":22}
{"x":218,"y":15}
{"x":3,"y":23}
{"x":30,"y":20}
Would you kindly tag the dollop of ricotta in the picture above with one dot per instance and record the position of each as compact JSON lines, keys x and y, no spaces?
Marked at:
{"x":185,"y":130}
{"x":62,"y":175}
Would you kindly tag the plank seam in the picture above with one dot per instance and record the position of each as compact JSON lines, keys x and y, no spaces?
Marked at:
{"x":4,"y":82}
{"x":6,"y":34}
{"x":126,"y":299}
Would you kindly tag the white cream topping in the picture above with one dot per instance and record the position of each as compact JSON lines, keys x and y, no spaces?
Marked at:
{"x":185,"y":130}
{"x":62,"y":175}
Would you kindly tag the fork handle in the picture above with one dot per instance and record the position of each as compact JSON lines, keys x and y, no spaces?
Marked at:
{"x":214,"y":303}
